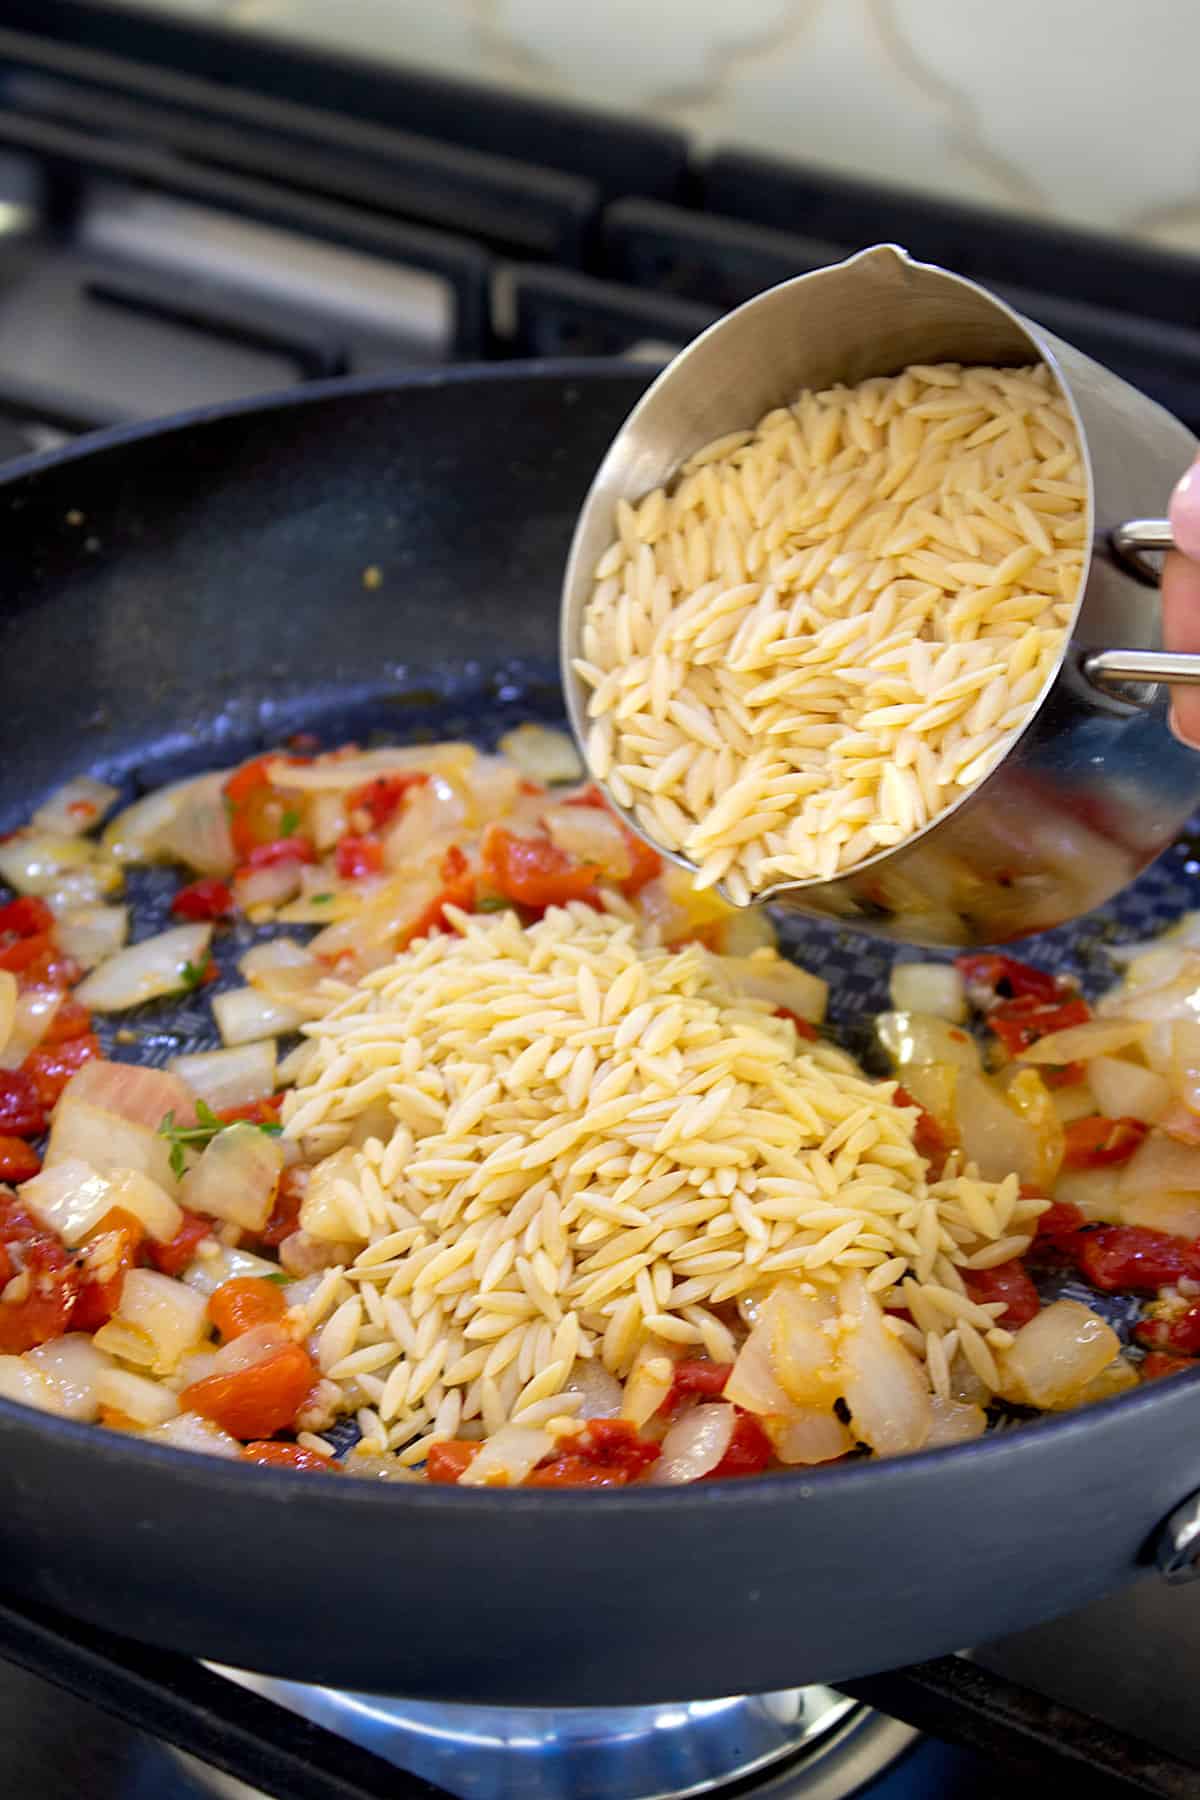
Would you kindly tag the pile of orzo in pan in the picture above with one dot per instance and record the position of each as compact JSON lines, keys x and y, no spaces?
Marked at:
{"x":559,"y":1179}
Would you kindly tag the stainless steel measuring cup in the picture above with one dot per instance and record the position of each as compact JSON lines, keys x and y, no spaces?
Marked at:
{"x":1095,"y":785}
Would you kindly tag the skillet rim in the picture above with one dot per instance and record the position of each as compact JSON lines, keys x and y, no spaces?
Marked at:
{"x":762,"y":1490}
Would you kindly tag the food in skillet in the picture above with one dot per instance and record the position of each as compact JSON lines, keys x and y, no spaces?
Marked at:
{"x":562,"y":1183}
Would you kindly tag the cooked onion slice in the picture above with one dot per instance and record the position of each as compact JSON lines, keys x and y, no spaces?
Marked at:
{"x":32,"y":1017}
{"x":72,"y":1366}
{"x":936,"y":989}
{"x":695,"y":1444}
{"x":809,"y":1435}
{"x":912,"y":1037}
{"x":955,"y":1422}
{"x":771,"y":977}
{"x":542,"y":754}
{"x":143,"y":1401}
{"x":76,"y":807}
{"x":1056,"y":1355}
{"x":136,"y":1193}
{"x":158,"y":965}
{"x":188,"y":1431}
{"x":600,"y":1391}
{"x":507,"y":1457}
{"x":68,"y":1197}
{"x":1079,"y":1043}
{"x":1125,"y":1090}
{"x":171,"y":1315}
{"x":43,"y":862}
{"x":8,"y":1007}
{"x":883,"y":1384}
{"x":92,"y":933}
{"x":225,"y":1078}
{"x":236,"y":1177}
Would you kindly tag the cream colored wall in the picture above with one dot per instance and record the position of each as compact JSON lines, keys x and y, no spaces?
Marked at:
{"x":1080,"y":110}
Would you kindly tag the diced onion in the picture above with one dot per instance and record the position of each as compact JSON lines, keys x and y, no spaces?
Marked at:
{"x":753,"y":1384}
{"x":20,"y":1381}
{"x":937,"y":989}
{"x":1160,"y":1165}
{"x":387,"y":915}
{"x":694,"y":1445}
{"x":133,"y":836}
{"x":934,"y":1086}
{"x":323,"y":1211}
{"x":72,"y":1366}
{"x":134,"y":1092}
{"x":1125,"y":1090}
{"x":197,"y":831}
{"x":145,"y":1402}
{"x":1185,"y":1062}
{"x":809,"y":1435}
{"x":123,"y":1341}
{"x":68,"y":1197}
{"x":226,"y":1078}
{"x":190,"y":1432}
{"x":802,"y":1353}
{"x":236,"y":1177}
{"x":108,"y":1142}
{"x":507,"y":1457}
{"x":1094,"y":1192}
{"x":600,"y":1391}
{"x":771,"y":977}
{"x":912,"y":1037}
{"x":33,"y":1015}
{"x":167,"y":1312}
{"x":1177,"y":1213}
{"x":276,"y":953}
{"x":954,"y":1422}
{"x":208,"y":1273}
{"x":1054,"y":1357}
{"x":747,"y":929}
{"x":258,"y":890}
{"x":8,"y":1008}
{"x":883,"y":1384}
{"x":542,"y":754}
{"x":75,"y":807}
{"x":156,"y":966}
{"x":136,"y":1193}
{"x":90,"y":934}
{"x":1079,"y":1043}
{"x":995,"y":1136}
{"x":1077,"y":1100}
{"x":39,"y":862}
{"x":335,"y":773}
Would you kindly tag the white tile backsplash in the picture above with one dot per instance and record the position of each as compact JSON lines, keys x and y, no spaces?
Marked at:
{"x":1079,"y":110}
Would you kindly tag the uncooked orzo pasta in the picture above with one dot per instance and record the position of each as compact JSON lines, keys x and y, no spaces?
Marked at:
{"x":831,"y":627}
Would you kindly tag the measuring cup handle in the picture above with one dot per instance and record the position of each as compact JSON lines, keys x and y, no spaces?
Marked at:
{"x":1131,"y":544}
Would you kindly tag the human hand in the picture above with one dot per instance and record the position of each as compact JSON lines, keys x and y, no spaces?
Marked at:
{"x":1181,"y":599}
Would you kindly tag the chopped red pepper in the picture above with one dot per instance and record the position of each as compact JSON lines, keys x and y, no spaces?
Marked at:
{"x":243,"y":1303}
{"x":1059,"y":1223}
{"x":749,"y":1450}
{"x":45,"y":1309}
{"x":174,"y":1257}
{"x":51,"y":1066}
{"x":285,"y":1216}
{"x":804,"y":1029}
{"x":274,"y":1455}
{"x":382,"y":798}
{"x":1181,"y":1336}
{"x":696,"y":1375}
{"x":1064,"y":1075}
{"x":1133,"y":1256}
{"x":607,"y":1453}
{"x":1094,"y":1143}
{"x":533,"y":871}
{"x":929,"y":1140}
{"x":1006,"y":977}
{"x":24,"y":917}
{"x":112,"y":1250}
{"x":22,"y":1113}
{"x":49,"y":968}
{"x":257,"y":810}
{"x":1157,"y":1364}
{"x":357,"y":857}
{"x":258,"y":1401}
{"x":17,"y":954}
{"x":18,"y":1160}
{"x":208,"y":898}
{"x":258,"y":1112}
{"x":1008,"y":1282}
{"x":70,"y":1021}
{"x":446,"y":1462}
{"x":458,"y":889}
{"x":1020,"y":1023}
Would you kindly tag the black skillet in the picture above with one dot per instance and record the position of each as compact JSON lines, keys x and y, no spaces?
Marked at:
{"x":177,"y":597}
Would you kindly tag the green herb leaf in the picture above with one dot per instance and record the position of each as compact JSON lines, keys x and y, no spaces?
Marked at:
{"x":289,"y":822}
{"x":192,"y":977}
{"x":320,"y":899}
{"x":183,"y":1138}
{"x":493,"y":903}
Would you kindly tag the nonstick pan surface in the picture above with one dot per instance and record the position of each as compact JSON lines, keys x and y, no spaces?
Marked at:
{"x":173,"y":598}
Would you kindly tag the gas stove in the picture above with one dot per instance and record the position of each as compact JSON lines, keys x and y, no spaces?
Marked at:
{"x":190,"y":216}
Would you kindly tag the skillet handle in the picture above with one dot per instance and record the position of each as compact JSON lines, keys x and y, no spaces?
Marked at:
{"x":1131,"y":544}
{"x":1177,"y":1547}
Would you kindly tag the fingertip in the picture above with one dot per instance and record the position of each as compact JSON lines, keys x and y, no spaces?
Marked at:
{"x":1184,"y":512}
{"x":1184,"y":719}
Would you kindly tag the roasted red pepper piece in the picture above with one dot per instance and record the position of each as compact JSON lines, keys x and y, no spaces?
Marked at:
{"x":278,"y":852}
{"x":1094,"y":1143}
{"x":285,"y":1216}
{"x":1157,"y":1364}
{"x":458,"y":889}
{"x":929,"y":1140}
{"x":25,"y":917}
{"x":44,"y":1309}
{"x":22,"y":1113}
{"x":357,"y":857}
{"x":645,"y":860}
{"x":243,"y":1303}
{"x":607,"y":1453}
{"x":174,"y":1257}
{"x":1180,"y":1336}
{"x":533,"y":871}
{"x":1059,"y":1223}
{"x":807,"y":1031}
{"x":258,"y":1401}
{"x":70,"y":1021}
{"x":257,"y":810}
{"x":696,"y":1375}
{"x":1020,"y":1023}
{"x":114,"y":1248}
{"x":749,"y":1451}
{"x":446,"y":1462}
{"x":1133,"y":1256}
{"x":382,"y":798}
{"x":51,"y":1066}
{"x":258,"y":1112}
{"x":208,"y":898}
{"x":18,"y":1160}
{"x":1008,"y":1282}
